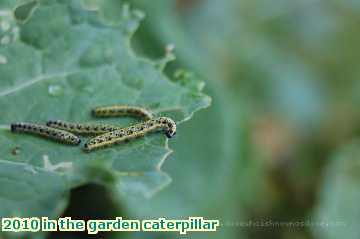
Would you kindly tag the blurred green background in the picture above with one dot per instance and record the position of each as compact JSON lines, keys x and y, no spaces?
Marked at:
{"x":279,"y":143}
{"x":276,"y":155}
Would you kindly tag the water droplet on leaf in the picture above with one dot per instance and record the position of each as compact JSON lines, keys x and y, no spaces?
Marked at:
{"x":55,"y":90}
{"x":3,"y":59}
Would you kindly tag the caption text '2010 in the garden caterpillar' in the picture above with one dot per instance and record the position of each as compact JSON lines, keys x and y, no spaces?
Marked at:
{"x":47,"y":132}
{"x":126,"y":134}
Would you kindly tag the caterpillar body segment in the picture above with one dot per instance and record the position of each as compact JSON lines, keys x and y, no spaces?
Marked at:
{"x":122,"y":110}
{"x":82,"y":129}
{"x":58,"y":135}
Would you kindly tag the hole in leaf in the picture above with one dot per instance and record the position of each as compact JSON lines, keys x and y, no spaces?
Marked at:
{"x":90,"y":202}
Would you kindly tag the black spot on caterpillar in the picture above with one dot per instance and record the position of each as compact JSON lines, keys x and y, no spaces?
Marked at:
{"x":122,"y":110}
{"x":44,"y":131}
{"x":132,"y":132}
{"x":82,"y":129}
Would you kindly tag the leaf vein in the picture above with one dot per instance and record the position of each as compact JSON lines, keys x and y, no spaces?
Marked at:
{"x":34,"y":81}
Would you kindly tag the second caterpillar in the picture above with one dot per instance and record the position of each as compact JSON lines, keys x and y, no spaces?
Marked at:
{"x":82,"y":129}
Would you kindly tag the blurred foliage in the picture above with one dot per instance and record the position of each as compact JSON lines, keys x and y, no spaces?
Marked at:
{"x":291,"y":81}
{"x":340,"y":194}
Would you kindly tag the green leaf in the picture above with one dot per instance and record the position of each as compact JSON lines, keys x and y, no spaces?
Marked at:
{"x":337,"y":208}
{"x":24,"y":193}
{"x":65,"y":61}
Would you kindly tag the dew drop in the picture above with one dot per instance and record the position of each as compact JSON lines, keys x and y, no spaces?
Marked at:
{"x":3,"y":59}
{"x":55,"y":90}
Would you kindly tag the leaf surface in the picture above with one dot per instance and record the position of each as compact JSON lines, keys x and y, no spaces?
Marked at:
{"x":64,"y":61}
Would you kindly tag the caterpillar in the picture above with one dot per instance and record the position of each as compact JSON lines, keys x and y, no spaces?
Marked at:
{"x":82,"y":129}
{"x":122,"y":110}
{"x":44,"y":131}
{"x":132,"y":132}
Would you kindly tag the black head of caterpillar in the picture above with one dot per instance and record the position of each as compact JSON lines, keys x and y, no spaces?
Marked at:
{"x":169,"y":126}
{"x":122,"y":110}
{"x":44,"y":131}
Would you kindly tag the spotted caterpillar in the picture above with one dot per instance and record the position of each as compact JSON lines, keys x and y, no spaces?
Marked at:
{"x":122,"y":110}
{"x":126,"y":134}
{"x":44,"y":131}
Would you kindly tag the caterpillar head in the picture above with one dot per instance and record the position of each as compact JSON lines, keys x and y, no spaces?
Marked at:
{"x":170,"y":126}
{"x":13,"y":127}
